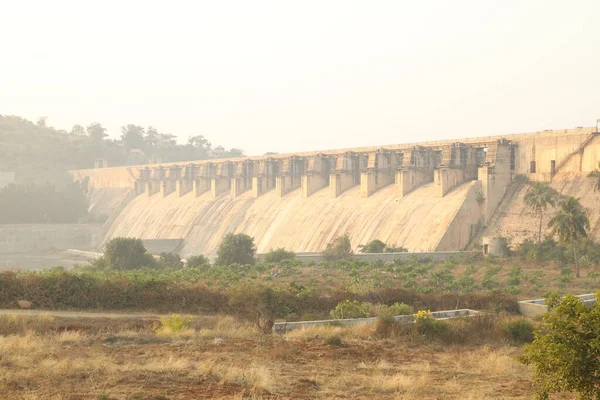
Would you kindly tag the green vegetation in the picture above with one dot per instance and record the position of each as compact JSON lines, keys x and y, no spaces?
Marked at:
{"x":197,"y":261}
{"x":349,"y":309}
{"x":279,"y":255}
{"x":175,"y":323}
{"x":338,"y":249}
{"x":377,"y":246}
{"x":125,"y":254}
{"x":539,"y":197}
{"x":570,"y":223}
{"x":236,"y":249}
{"x":566,"y":351}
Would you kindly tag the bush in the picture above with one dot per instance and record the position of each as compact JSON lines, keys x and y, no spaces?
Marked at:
{"x":385,"y":327}
{"x":400,"y":309}
{"x":565,"y":353}
{"x":170,"y":260}
{"x":197,"y":261}
{"x":175,"y":323}
{"x":127,"y":253}
{"x":349,"y":309}
{"x":338,"y":249}
{"x":279,"y":255}
{"x":334,"y":340}
{"x":519,"y":330}
{"x":236,"y":248}
{"x":429,"y":327}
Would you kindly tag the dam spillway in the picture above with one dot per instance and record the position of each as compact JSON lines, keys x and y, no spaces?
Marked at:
{"x":424,"y":197}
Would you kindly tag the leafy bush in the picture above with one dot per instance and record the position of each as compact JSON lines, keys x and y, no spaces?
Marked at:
{"x":338,"y":249}
{"x":349,"y":309}
{"x":279,"y":255}
{"x":429,"y":327}
{"x":565,"y":353}
{"x":236,"y":248}
{"x":519,"y":330}
{"x":377,"y":246}
{"x":126,"y":254}
{"x":400,"y":309}
{"x":170,"y":260}
{"x":175,"y":323}
{"x":197,"y":261}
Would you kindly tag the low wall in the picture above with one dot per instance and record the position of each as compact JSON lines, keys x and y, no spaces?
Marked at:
{"x":282,"y":327}
{"x":436,"y":256}
{"x":27,"y":238}
{"x":537,"y":308}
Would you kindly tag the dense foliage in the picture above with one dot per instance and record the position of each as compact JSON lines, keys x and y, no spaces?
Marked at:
{"x":278,"y":255}
{"x":377,"y":246}
{"x":39,"y":153}
{"x":539,"y":197}
{"x":338,"y":249}
{"x":566,"y":351}
{"x":126,"y":253}
{"x":236,"y":249}
{"x":187,"y":291}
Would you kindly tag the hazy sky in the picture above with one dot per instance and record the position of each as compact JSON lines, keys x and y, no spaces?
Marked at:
{"x":289,"y":76}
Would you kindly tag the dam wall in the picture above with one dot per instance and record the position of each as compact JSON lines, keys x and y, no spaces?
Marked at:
{"x":431,"y":196}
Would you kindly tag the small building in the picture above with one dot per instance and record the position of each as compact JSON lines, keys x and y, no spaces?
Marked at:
{"x":497,"y":246}
{"x":218,"y":152}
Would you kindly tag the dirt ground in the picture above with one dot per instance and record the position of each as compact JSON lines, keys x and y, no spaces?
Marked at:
{"x":43,"y":357}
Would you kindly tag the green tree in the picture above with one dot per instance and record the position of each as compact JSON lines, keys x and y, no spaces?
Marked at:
{"x":133,"y":136}
{"x":374,"y":246}
{"x":127,"y":253}
{"x":279,"y":255}
{"x":96,"y":132}
{"x":236,"y":248}
{"x":538,"y":198}
{"x":339,"y":248}
{"x":77,"y":130}
{"x":565,"y":353}
{"x":170,"y":260}
{"x":596,"y":175}
{"x":570,"y":223}
{"x":197,"y":261}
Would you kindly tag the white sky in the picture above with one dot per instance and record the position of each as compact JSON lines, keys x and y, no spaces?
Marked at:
{"x":291,"y":76}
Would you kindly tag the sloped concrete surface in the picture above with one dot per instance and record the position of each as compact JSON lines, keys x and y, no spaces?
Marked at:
{"x":417,"y":221}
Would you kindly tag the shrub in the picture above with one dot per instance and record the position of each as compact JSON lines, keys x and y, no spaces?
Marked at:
{"x":170,"y":260}
{"x":175,"y":323}
{"x":338,"y":249}
{"x":236,"y":248}
{"x":385,"y":327}
{"x":565,"y":353}
{"x":400,"y":309}
{"x":374,"y":246}
{"x":428,"y":327}
{"x":279,"y":255}
{"x":348,"y":309}
{"x":519,"y":330}
{"x":334,"y":340}
{"x":197,"y":261}
{"x":127,"y":253}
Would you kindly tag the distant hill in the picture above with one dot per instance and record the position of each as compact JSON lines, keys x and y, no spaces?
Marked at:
{"x":38,"y":153}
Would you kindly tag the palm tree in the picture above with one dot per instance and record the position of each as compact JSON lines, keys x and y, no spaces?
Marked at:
{"x":596,"y":175}
{"x":570,"y":223}
{"x":538,"y":198}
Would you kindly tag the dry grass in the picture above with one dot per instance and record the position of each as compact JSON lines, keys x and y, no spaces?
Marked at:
{"x":229,"y":360}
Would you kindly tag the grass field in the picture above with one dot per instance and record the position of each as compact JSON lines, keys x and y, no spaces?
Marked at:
{"x":217,"y":357}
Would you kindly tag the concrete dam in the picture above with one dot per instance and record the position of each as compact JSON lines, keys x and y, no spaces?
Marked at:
{"x":431,"y":196}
